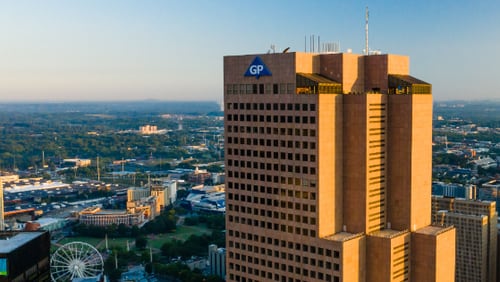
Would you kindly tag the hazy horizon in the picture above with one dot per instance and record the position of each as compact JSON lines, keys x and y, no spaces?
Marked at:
{"x":173,"y":50}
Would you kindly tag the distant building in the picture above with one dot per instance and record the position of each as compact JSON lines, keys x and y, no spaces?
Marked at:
{"x":490,"y":191}
{"x":199,"y":176}
{"x":196,"y":263}
{"x":448,"y":189}
{"x":145,"y":205}
{"x":76,"y":162}
{"x":46,"y":224}
{"x":28,"y":186}
{"x":7,"y":177}
{"x":218,"y":178}
{"x":24,"y":256}
{"x":476,"y":227}
{"x":151,"y":129}
{"x":96,"y":216}
{"x":148,"y":129}
{"x":137,"y":193}
{"x":485,"y":163}
{"x":210,"y":199}
{"x":135,"y":274}
{"x":217,"y":260}
{"x":165,"y":193}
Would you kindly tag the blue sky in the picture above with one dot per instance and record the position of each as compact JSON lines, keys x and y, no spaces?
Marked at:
{"x":172,"y":50}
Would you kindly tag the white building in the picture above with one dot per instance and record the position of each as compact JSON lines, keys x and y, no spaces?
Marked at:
{"x":217,"y":260}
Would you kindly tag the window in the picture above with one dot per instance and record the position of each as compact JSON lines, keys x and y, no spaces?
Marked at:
{"x":283,"y":88}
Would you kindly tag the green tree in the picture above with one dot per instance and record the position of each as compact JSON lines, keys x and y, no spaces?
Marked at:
{"x":141,"y":242}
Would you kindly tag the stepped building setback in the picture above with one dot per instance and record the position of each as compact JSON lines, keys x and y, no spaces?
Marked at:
{"x":328,"y":170}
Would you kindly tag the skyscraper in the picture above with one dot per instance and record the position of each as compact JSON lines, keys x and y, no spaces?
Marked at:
{"x":328,"y":170}
{"x":476,"y":224}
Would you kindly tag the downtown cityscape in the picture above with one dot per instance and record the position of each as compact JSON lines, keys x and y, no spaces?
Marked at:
{"x":126,"y":156}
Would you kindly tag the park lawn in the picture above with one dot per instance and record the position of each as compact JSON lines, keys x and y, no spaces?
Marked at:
{"x":119,"y":242}
{"x":100,"y":243}
{"x":155,"y":241}
{"x":89,"y":240}
{"x":181,"y":233}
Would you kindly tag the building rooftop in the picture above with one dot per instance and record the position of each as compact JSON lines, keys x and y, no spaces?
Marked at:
{"x":388,"y":233}
{"x":9,"y":241}
{"x":343,"y":236}
{"x":111,"y":212}
{"x":433,"y":230}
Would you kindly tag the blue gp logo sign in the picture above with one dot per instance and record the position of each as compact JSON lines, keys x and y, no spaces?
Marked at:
{"x":257,"y":68}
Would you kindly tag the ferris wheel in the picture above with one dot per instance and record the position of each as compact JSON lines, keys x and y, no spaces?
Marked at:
{"x":75,"y":260}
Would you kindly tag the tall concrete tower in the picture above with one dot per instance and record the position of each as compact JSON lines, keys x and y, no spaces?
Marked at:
{"x":328,"y":170}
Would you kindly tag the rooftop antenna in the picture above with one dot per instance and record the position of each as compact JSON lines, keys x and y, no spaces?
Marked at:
{"x":319,"y":46}
{"x":367,"y":52}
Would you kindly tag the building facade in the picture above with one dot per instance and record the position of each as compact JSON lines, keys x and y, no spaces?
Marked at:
{"x":476,"y":242}
{"x":99,"y":217}
{"x":328,"y":170}
{"x":166,"y":194}
{"x":490,"y":192}
{"x":217,"y":260}
{"x":137,"y":193}
{"x":24,"y":256}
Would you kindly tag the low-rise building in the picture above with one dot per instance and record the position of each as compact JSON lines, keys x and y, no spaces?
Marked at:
{"x":199,"y":176}
{"x":76,"y":162}
{"x":24,"y":256}
{"x":99,"y":217}
{"x":8,"y":177}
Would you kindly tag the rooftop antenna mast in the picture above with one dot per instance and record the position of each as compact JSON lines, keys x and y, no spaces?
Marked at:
{"x":367,"y":51}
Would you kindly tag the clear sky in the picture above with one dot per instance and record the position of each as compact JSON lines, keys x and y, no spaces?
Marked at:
{"x":173,"y":50}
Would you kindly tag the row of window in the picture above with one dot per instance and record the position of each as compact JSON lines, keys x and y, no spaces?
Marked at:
{"x":271,"y":202}
{"x":272,"y":178}
{"x":276,"y":167}
{"x":311,"y":249}
{"x":267,"y":142}
{"x":269,"y":154}
{"x":271,"y":131}
{"x":268,"y":88}
{"x":276,"y":156}
{"x":273,"y":191}
{"x":273,"y":226}
{"x":293,"y":181}
{"x":271,"y":106}
{"x":277,"y":277}
{"x":272,"y":118}
{"x":277,"y":215}
{"x":282,"y":256}
{"x":297,"y":182}
{"x":279,"y":255}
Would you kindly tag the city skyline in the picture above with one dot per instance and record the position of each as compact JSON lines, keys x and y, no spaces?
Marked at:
{"x":173,"y":50}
